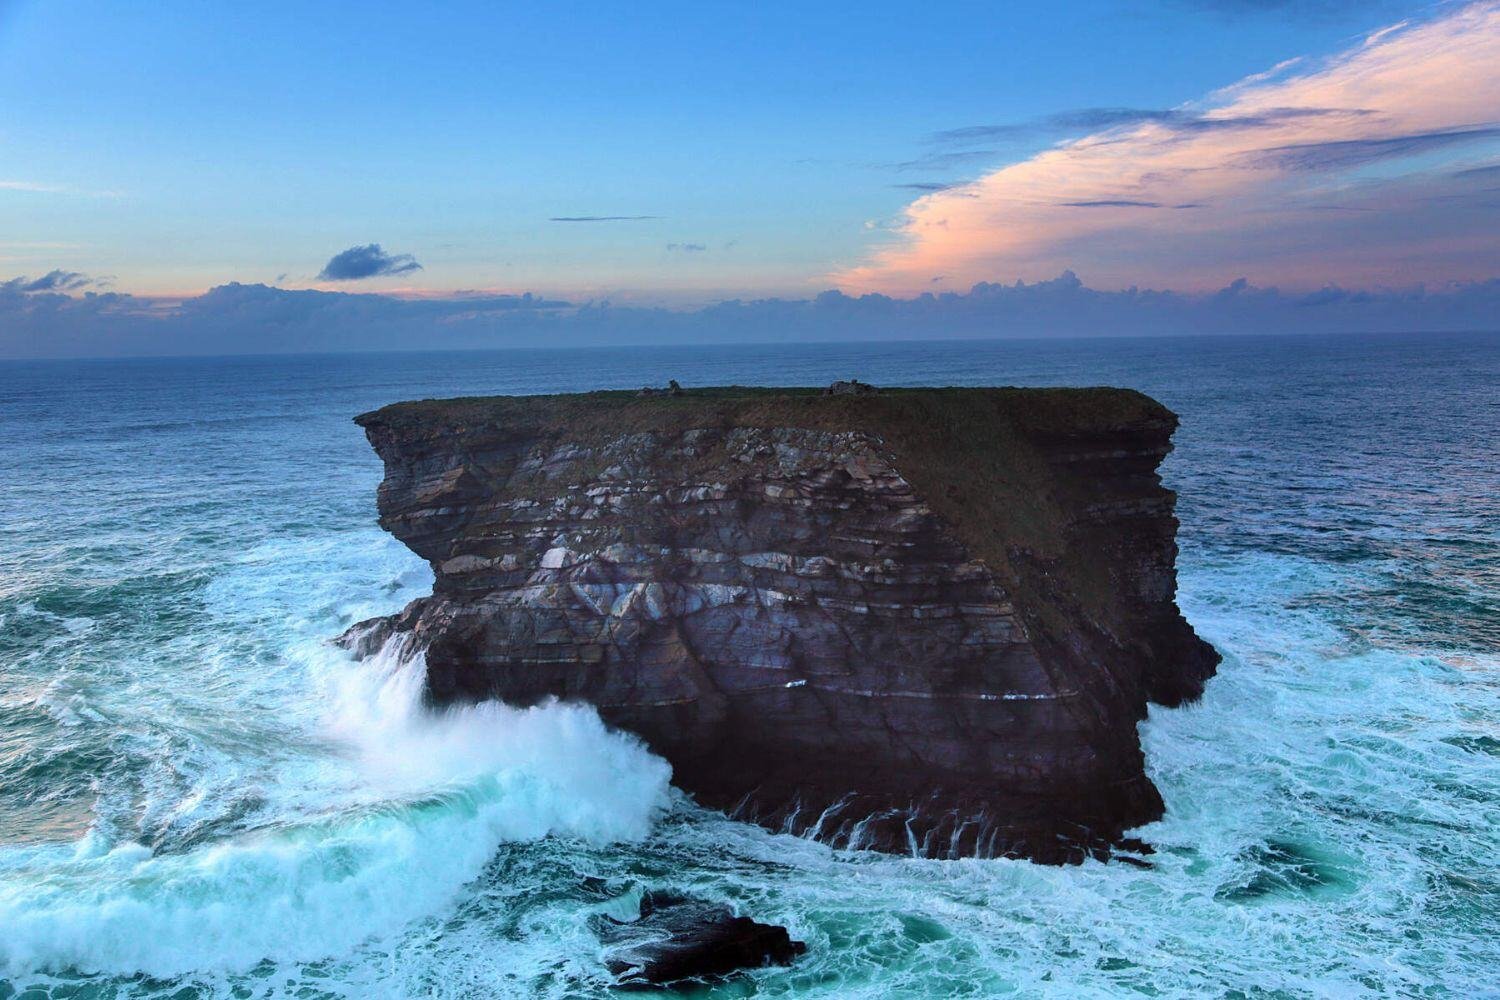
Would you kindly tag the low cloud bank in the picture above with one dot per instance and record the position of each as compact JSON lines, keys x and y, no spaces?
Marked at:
{"x":258,"y":319}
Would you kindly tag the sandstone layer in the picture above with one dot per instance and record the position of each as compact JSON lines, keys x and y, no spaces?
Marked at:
{"x":918,"y":620}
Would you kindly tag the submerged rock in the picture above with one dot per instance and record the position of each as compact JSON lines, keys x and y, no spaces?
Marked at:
{"x":678,"y":938}
{"x":919,"y":621}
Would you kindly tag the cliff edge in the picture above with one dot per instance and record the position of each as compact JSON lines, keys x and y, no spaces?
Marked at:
{"x":919,"y":619}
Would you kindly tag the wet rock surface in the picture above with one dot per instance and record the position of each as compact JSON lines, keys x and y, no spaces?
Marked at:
{"x":678,"y":939}
{"x":919,"y":621}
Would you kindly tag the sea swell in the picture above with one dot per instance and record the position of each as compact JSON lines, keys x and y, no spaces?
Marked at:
{"x":201,"y":797}
{"x":444,"y":793}
{"x":387,"y":811}
{"x":1329,"y":803}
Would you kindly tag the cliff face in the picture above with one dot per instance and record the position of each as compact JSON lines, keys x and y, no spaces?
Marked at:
{"x":923,"y":619}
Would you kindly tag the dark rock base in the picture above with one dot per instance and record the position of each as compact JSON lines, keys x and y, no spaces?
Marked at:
{"x":678,"y":940}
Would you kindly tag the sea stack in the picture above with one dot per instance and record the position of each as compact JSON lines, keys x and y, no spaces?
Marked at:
{"x":915,"y":620}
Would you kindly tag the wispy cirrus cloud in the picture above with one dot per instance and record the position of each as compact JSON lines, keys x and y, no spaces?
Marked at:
{"x":1095,"y":119}
{"x":1491,"y":170}
{"x":32,"y":187}
{"x":927,"y":186}
{"x":1352,"y":170}
{"x":602,"y":218}
{"x":947,"y":160}
{"x":1338,"y":153}
{"x":1111,"y":203}
{"x":38,"y":187}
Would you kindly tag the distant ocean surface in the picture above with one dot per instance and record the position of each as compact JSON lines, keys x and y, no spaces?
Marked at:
{"x":199,"y":797}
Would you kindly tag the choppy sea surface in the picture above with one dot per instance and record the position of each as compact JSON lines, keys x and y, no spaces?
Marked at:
{"x":199,"y":797}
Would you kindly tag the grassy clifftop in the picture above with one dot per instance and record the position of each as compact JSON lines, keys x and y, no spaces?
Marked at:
{"x":1064,"y":412}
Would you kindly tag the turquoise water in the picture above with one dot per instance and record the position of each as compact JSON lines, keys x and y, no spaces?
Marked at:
{"x":199,"y":797}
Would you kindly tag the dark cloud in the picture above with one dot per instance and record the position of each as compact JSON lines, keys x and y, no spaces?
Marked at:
{"x":1483,"y":173}
{"x":368,"y":261}
{"x":257,"y":319}
{"x":928,"y":186}
{"x":52,"y":281}
{"x":687,"y":247}
{"x":1085,"y":120}
{"x":1333,"y":295}
{"x":1080,"y":120}
{"x":943,"y":161}
{"x":1343,"y":153}
{"x":1117,"y":203}
{"x":1126,"y":203}
{"x":602,"y":218}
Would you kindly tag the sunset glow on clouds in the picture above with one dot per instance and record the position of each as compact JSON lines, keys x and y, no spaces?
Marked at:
{"x":1381,"y":166}
{"x":1360,"y":148}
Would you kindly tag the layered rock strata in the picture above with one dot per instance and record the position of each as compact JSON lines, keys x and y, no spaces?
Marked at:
{"x":918,"y":620}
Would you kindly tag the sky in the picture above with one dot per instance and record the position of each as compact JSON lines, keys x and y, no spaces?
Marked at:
{"x":651,"y":162}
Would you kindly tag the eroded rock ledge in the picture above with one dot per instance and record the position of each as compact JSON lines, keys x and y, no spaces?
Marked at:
{"x":921,"y":619}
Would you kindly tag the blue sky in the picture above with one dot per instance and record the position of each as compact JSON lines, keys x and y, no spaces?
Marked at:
{"x":770,"y":148}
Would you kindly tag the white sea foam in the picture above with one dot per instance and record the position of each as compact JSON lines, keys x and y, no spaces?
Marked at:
{"x":1332,"y":804}
{"x":440,"y":793}
{"x":381,"y":813}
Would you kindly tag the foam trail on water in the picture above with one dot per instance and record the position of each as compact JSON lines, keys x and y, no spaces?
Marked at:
{"x":435,"y":795}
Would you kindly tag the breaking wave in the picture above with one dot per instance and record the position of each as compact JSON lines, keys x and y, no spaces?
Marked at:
{"x":424,"y":800}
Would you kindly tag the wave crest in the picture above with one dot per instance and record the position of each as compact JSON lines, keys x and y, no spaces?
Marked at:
{"x":438,"y":793}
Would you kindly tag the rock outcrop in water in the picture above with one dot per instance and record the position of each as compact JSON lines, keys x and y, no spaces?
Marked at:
{"x":677,"y":938}
{"x":909,"y":620}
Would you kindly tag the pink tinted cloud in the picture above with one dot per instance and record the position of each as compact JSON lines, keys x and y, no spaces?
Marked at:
{"x":1348,"y":172}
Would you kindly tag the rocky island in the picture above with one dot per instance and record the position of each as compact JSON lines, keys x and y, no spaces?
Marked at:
{"x":920,"y":620}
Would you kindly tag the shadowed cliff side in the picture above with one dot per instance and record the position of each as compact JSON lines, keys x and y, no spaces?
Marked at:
{"x":921,"y":619}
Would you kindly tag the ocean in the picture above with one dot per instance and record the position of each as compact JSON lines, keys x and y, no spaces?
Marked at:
{"x":200,"y":797}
